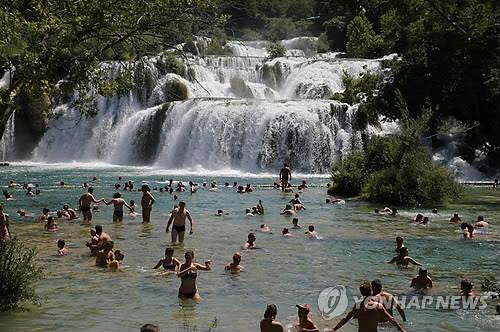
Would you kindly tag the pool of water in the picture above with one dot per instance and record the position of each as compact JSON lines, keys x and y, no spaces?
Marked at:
{"x":356,"y":245}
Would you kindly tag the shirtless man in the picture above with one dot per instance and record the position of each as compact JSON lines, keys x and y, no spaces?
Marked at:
{"x":305,"y":323}
{"x":455,"y":218}
{"x":235,"y":266}
{"x":285,"y":176}
{"x":105,"y":256}
{"x":85,"y":201}
{"x":387,"y":300}
{"x":466,"y":288}
{"x":422,"y":280}
{"x":71,"y":212}
{"x":102,"y":236}
{"x":481,"y":222}
{"x":179,"y":216}
{"x":147,"y":202}
{"x":269,"y":324}
{"x":368,"y":313}
{"x":288,"y":211}
{"x":403,"y":259}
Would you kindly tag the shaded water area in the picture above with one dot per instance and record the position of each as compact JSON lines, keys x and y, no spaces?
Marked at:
{"x":356,"y":245}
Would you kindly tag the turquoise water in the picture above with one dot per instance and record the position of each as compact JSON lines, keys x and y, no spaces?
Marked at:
{"x":356,"y":246}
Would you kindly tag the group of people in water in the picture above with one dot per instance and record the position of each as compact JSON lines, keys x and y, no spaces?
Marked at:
{"x":101,"y":246}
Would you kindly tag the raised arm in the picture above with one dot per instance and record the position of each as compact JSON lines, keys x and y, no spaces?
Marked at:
{"x":205,"y":267}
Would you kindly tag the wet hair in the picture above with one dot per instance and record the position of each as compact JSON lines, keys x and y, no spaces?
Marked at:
{"x":150,"y":328}
{"x":296,"y":195}
{"x":271,"y":311}
{"x":251,"y":235}
{"x":117,"y":195}
{"x":236,"y":257}
{"x":220,"y":211}
{"x":455,"y":214}
{"x":262,"y":225}
{"x":402,"y":250}
{"x":118,"y":253}
{"x":295,"y":219}
{"x":45,"y":210}
{"x":61,"y":183}
{"x":182,"y":203}
{"x":466,"y":285}
{"x":365,"y":289}
{"x":434,"y":210}
{"x":470,"y":228}
{"x":61,"y":243}
{"x":98,"y":229}
{"x":288,"y":207}
{"x":399,"y":238}
{"x":189,"y":252}
{"x":327,"y":200}
{"x":422,"y":270}
{"x":65,"y":206}
{"x":285,"y":231}
{"x":377,"y":285}
{"x":480,"y":218}
{"x":226,"y":184}
{"x":90,"y":190}
{"x":132,"y":202}
{"x":168,"y":249}
{"x":311,"y":228}
{"x":463,"y":225}
{"x":376,"y":210}
{"x":145,"y":187}
{"x":175,"y":197}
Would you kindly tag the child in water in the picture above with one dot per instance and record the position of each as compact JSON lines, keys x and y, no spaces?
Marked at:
{"x":114,"y":265}
{"x":51,"y":225}
{"x":62,"y":250}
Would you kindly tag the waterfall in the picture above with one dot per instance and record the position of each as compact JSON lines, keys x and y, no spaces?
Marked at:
{"x":7,"y":141}
{"x":243,"y":112}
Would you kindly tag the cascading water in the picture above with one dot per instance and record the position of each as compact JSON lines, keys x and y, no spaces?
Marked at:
{"x":243,"y":112}
{"x":7,"y":141}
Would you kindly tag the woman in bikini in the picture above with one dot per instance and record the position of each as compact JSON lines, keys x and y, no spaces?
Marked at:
{"x":4,"y":225}
{"x":118,"y":203}
{"x":147,"y":202}
{"x":169,"y":263}
{"x":187,"y":273}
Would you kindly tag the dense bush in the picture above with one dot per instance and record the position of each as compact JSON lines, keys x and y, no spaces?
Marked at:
{"x":362,"y":41}
{"x":169,"y":63}
{"x":276,"y":50}
{"x":18,"y":273}
{"x":396,"y":169}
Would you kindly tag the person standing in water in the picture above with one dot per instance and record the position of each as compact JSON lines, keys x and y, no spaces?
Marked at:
{"x":269,"y":323}
{"x":85,"y":204}
{"x":387,"y":300}
{"x":118,"y":203}
{"x":285,"y":176}
{"x":179,"y":216}
{"x":169,"y":263}
{"x":4,"y":225}
{"x":147,"y":202}
{"x":187,"y":273}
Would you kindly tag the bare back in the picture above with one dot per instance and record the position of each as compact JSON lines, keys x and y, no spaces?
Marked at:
{"x":368,"y":316}
{"x":267,"y":325}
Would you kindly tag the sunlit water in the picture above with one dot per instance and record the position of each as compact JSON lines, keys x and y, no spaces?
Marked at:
{"x":356,"y":245}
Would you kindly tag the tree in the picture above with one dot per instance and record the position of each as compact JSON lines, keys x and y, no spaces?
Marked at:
{"x":44,"y":42}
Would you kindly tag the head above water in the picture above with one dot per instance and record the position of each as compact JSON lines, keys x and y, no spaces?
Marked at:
{"x":466,"y":285}
{"x":189,"y":255}
{"x":236,"y":258}
{"x":98,"y":229}
{"x":311,"y":228}
{"x":285,"y":231}
{"x":480,"y":218}
{"x":117,"y":195}
{"x":145,"y":188}
{"x":295,"y":221}
{"x":169,"y":251}
{"x":271,"y":311}
{"x":61,"y":244}
{"x":150,"y":328}
{"x":365,"y":289}
{"x":251,"y":236}
{"x":45,"y":210}
{"x":376,"y":286}
{"x":422,"y":271}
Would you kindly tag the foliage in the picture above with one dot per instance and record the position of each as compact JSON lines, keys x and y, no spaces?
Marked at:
{"x":362,"y":42}
{"x":396,"y":169}
{"x":357,"y":89}
{"x":216,"y":47}
{"x":18,"y":274}
{"x":276,"y":50}
{"x":280,"y":28}
{"x":48,"y":41}
{"x":169,"y":63}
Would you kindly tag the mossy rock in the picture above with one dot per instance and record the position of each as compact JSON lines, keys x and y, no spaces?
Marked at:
{"x":240,"y":88}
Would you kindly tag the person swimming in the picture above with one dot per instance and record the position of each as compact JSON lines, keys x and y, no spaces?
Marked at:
{"x":399,"y":243}
{"x":118,"y":258}
{"x":250,"y":244}
{"x":51,"y":225}
{"x":403,"y":259}
{"x":421,"y":281}
{"x":455,"y":218}
{"x":480,"y":222}
{"x":285,"y":232}
{"x":235,"y":266}
{"x":188,"y":274}
{"x":295,"y":223}
{"x":311,"y":232}
{"x":219,"y":213}
{"x":264,"y":228}
{"x":288,"y":211}
{"x":105,"y":255}
{"x":169,"y":262}
{"x":61,"y":248}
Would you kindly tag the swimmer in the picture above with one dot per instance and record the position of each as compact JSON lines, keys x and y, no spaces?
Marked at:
{"x":295,"y":200}
{"x":12,"y":184}
{"x":214,"y":187}
{"x":235,"y":266}
{"x":44,"y":216}
{"x":61,"y":246}
{"x":169,"y":262}
{"x":288,"y":211}
{"x":260,"y":208}
{"x":250,"y":244}
{"x":387,"y":300}
{"x":468,"y":230}
{"x":114,"y":265}
{"x":481,"y":222}
{"x":7,"y":195}
{"x":29,"y":192}
{"x":4,"y":225}
{"x":455,"y":218}
{"x":240,"y":190}
{"x":368,"y":313}
{"x":248,"y":189}
{"x":264,"y":228}
{"x":422,"y":280}
{"x":285,"y":176}
{"x":235,"y":184}
{"x":435,"y":211}
{"x":70,"y":212}
{"x":226,"y":185}
{"x":179,"y":216}
{"x":62,"y":214}
{"x":22,"y":213}
{"x":399,"y":243}
{"x":285,"y":232}
{"x":105,"y":255}
{"x":305,"y":322}
{"x":193,"y":186}
{"x":188,"y":274}
{"x":269,"y":323}
{"x":51,"y":225}
{"x":85,"y":202}
{"x":118,"y":203}
{"x":92,"y":244}
{"x":298,"y":207}
{"x":418,"y":219}
{"x":102,"y":236}
{"x":394,"y":212}
{"x":403,"y":259}
{"x":311,"y":232}
{"x":425,"y":221}
{"x":255,"y":212}
{"x":219,"y":213}
{"x":295,"y":222}
{"x":248,"y":212}
{"x":466,"y":288}
{"x":147,"y":202}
